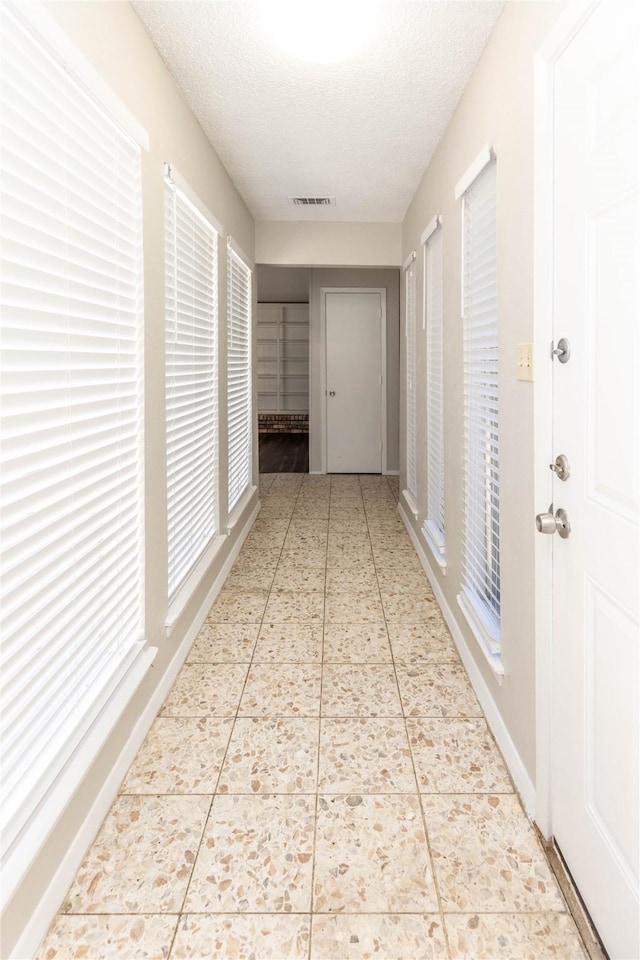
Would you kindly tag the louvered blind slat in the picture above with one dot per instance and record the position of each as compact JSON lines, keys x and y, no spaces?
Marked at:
{"x":481,"y":402}
{"x":239,"y":410}
{"x":71,"y":519}
{"x":411,"y":397}
{"x":434,"y":521}
{"x":191,"y":296}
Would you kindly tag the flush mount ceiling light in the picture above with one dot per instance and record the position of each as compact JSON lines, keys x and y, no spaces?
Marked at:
{"x":320,"y":31}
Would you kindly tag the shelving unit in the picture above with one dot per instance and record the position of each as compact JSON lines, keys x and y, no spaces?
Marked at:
{"x":283,"y":358}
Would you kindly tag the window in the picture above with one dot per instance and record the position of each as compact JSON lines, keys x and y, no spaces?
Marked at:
{"x":411,"y":419}
{"x":433,"y":527}
{"x":71,"y":445}
{"x":239,"y":387}
{"x":191,"y":305}
{"x":481,"y":565}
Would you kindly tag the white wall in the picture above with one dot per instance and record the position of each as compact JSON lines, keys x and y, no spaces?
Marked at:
{"x":315,"y":244}
{"x":496,"y":108}
{"x":390,"y":279}
{"x":112,"y":38}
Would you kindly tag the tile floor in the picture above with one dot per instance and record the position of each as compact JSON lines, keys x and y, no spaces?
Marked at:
{"x":320,"y":782}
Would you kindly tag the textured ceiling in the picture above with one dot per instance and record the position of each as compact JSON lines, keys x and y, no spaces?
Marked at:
{"x":362,"y":131}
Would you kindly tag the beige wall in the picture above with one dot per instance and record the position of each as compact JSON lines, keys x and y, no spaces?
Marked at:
{"x":316,"y":244}
{"x":496,"y":108}
{"x":283,"y":284}
{"x":390,"y":279}
{"x":112,"y":38}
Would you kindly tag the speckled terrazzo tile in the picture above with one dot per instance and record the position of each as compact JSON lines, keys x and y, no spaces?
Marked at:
{"x":116,"y":937}
{"x":306,"y":528}
{"x":268,"y":531}
{"x":287,"y":481}
{"x":255,"y":558}
{"x":300,"y":555}
{"x":274,"y":507}
{"x":395,"y":581}
{"x":367,"y":755}
{"x":180,"y":755}
{"x":206,"y":690}
{"x":290,"y":605}
{"x":514,"y":936}
{"x":242,"y":937}
{"x":142,"y":858}
{"x":238,"y":606}
{"x":436,"y":690}
{"x":351,"y":578}
{"x":422,"y":643}
{"x":303,"y":579}
{"x":272,"y":756}
{"x":406,"y":936}
{"x":311,"y":511}
{"x":289,"y":643}
{"x":356,"y":643}
{"x":354,"y":608}
{"x":408,"y":609}
{"x":309,"y":541}
{"x":252,"y":578}
{"x":359,"y":690}
{"x":281,"y":690}
{"x":372,"y":856}
{"x":457,"y":756}
{"x":224,"y":643}
{"x":256,"y":856}
{"x":486,"y":855}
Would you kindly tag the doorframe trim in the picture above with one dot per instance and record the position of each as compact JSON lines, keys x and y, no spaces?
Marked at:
{"x":382,"y":291}
{"x":562,"y":33}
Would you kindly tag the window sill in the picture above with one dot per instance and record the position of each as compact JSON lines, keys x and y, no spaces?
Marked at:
{"x":437,"y":549}
{"x":181,"y":598}
{"x":411,"y":502}
{"x":240,"y":507}
{"x":488,"y":638}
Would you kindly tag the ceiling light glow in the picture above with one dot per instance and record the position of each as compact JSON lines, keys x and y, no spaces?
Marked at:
{"x":320,"y":31}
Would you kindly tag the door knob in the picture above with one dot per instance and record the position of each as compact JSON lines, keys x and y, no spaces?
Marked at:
{"x":332,"y":393}
{"x":554,"y":523}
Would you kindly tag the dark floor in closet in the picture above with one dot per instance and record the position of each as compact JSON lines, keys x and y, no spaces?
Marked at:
{"x":284,"y":453}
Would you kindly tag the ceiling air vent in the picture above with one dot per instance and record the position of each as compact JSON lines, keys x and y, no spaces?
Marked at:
{"x":313,"y":201}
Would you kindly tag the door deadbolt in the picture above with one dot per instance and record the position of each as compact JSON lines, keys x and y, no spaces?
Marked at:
{"x":562,"y":351}
{"x":332,"y":393}
{"x":561,"y":467}
{"x":550,"y":523}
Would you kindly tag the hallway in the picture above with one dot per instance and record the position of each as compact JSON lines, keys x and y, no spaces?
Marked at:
{"x":320,"y":782}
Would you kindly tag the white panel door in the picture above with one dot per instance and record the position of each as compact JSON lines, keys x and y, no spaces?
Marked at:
{"x":354,"y":382}
{"x":595,"y":802}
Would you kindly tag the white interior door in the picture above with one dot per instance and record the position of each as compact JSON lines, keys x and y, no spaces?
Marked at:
{"x":595,"y":799}
{"x":354,"y":382}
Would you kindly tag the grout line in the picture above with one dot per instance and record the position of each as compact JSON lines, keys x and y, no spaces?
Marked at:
{"x":415,"y":774}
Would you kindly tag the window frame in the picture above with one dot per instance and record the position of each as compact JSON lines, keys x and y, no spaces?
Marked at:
{"x":180,"y":588}
{"x":479,"y":597}
{"x":434,"y":528}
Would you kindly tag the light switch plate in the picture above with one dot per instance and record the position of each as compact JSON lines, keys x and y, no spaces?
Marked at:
{"x":524,"y":363}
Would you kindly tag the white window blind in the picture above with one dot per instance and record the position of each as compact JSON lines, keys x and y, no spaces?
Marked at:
{"x":239,"y":375}
{"x":434,"y":521}
{"x":191,"y":304}
{"x":71,"y":391}
{"x":481,"y":592}
{"x":411,"y":399}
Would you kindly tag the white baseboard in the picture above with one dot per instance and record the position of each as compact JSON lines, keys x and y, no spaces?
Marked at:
{"x":52,"y":899}
{"x":391,"y":473}
{"x":523,"y":783}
